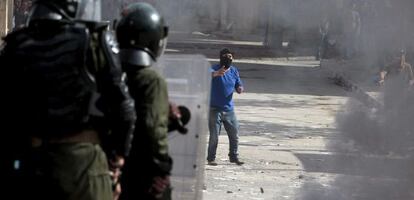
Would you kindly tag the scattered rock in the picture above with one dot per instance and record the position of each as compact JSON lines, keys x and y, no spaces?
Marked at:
{"x":301,"y":176}
{"x":228,"y":192}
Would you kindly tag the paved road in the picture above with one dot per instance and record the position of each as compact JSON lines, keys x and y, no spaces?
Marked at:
{"x":288,"y":110}
{"x":303,"y":138}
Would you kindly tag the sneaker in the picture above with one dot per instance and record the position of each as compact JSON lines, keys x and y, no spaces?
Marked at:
{"x":212,"y":163}
{"x":237,"y":161}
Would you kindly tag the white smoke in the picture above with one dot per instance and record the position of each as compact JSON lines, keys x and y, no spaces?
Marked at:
{"x":374,"y":150}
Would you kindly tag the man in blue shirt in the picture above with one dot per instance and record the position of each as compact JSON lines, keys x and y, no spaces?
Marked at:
{"x":225,"y":81}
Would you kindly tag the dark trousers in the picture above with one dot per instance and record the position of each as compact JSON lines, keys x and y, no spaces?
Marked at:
{"x":70,"y":171}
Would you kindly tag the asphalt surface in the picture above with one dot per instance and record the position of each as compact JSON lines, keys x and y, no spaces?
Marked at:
{"x":291,"y":138}
{"x":288,"y":108}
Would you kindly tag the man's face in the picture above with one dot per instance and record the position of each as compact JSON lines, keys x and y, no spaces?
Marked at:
{"x":226,"y":60}
{"x":17,"y":3}
{"x":228,"y":55}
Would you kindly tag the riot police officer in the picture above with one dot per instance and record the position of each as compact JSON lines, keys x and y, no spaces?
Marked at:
{"x":142,"y":35}
{"x":63,"y":81}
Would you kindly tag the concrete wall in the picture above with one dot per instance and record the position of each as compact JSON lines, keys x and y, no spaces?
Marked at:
{"x":192,"y":15}
{"x":247,"y":15}
{"x":297,"y":21}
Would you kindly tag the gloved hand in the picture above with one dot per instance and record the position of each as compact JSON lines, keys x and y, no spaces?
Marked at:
{"x":178,"y":117}
{"x":115,"y":165}
{"x":159,"y":185}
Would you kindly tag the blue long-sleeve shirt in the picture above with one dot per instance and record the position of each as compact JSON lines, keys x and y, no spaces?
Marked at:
{"x":222,"y":88}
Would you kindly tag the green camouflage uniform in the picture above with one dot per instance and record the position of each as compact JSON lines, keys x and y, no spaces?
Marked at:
{"x":149,"y":154}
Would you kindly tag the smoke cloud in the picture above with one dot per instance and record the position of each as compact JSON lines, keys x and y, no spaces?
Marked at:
{"x":375,"y":149}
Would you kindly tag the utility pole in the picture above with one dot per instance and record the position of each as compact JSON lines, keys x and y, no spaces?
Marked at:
{"x":6,"y":17}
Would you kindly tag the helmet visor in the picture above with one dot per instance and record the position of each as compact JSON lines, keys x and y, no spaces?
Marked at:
{"x":162,"y":45}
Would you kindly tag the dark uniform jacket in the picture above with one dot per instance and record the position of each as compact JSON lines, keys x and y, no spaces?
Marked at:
{"x":149,"y":153}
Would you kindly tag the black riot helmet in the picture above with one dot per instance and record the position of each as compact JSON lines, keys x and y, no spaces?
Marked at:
{"x":71,"y":10}
{"x":142,"y":28}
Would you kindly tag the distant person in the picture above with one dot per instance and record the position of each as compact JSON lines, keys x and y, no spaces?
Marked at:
{"x":397,"y":67}
{"x":225,"y":81}
{"x":323,"y":43}
{"x":352,"y":31}
{"x":21,"y":12}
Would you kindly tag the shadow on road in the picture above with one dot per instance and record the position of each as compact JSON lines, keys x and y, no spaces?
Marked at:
{"x":267,"y":129}
{"x":356,"y":165}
